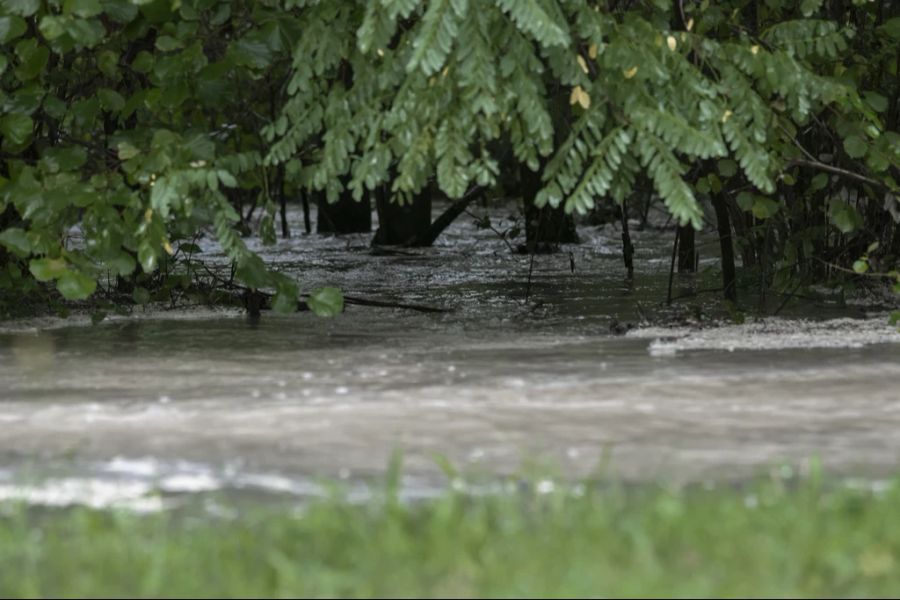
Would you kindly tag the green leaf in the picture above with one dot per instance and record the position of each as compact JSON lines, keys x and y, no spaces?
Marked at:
{"x":52,"y":27}
{"x":763,"y":207}
{"x":167,"y":43}
{"x":855,"y":146}
{"x":227,"y":178}
{"x":326,"y":302}
{"x":16,"y":241}
{"x":844,"y":216}
{"x":819,"y":182}
{"x":878,"y":102}
{"x":285,"y":300}
{"x":64,"y":159}
{"x":75,"y":285}
{"x":147,"y":256}
{"x":16,"y":128}
{"x":891,"y":27}
{"x":23,"y":8}
{"x":82,"y":8}
{"x":141,"y":296}
{"x":85,"y":32}
{"x":252,"y":270}
{"x":122,"y":264}
{"x":254,"y":54}
{"x":143,"y":62}
{"x":121,"y":11}
{"x":808,"y":7}
{"x":111,"y":99}
{"x":727,"y":168}
{"x":45,"y":269}
{"x":32,"y":59}
{"x":126,"y":151}
{"x":11,"y":28}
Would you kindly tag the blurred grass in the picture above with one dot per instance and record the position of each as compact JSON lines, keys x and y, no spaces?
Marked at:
{"x":764,"y":539}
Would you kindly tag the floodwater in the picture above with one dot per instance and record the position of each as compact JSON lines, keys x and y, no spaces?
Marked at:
{"x":164,"y":405}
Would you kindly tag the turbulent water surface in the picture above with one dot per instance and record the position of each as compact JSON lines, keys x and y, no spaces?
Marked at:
{"x":145,"y":410}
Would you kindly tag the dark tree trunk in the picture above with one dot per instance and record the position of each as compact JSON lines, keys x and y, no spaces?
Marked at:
{"x":8,"y":217}
{"x":739,"y":221}
{"x":687,"y":253}
{"x":751,"y":17}
{"x":400,"y":224}
{"x":547,"y":227}
{"x":427,"y":237}
{"x":627,"y":246}
{"x":723,"y":224}
{"x":344,"y":216}
{"x":307,"y":225}
{"x":282,"y":201}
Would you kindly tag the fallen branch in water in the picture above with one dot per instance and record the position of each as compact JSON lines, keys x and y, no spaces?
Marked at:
{"x":391,"y":304}
{"x":256,"y":301}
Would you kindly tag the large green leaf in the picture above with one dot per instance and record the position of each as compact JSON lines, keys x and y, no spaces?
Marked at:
{"x":32,"y":59}
{"x":326,"y":302}
{"x":285,"y":300}
{"x":764,"y":207}
{"x":15,"y":240}
{"x":855,"y":146}
{"x":16,"y":128}
{"x":252,"y":271}
{"x":24,"y":8}
{"x":844,"y":216}
{"x":75,"y":285}
{"x":82,"y":8}
{"x":64,"y":158}
{"x":52,"y":27}
{"x":11,"y":27}
{"x":808,"y":7}
{"x":45,"y":269}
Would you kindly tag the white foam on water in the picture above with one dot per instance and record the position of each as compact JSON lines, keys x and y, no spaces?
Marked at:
{"x":771,"y":334}
{"x":93,"y":493}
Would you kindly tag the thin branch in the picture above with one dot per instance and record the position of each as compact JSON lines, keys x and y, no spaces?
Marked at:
{"x":815,"y":164}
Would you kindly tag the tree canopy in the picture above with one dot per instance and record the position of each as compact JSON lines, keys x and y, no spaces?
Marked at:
{"x":131,"y":125}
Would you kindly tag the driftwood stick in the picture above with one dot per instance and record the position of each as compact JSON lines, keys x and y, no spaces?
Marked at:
{"x":256,"y":301}
{"x":392,"y":304}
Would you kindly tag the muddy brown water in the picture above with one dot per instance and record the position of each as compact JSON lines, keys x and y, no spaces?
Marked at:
{"x":199,"y":402}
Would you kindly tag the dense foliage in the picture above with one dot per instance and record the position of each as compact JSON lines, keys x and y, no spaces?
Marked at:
{"x":130,"y":126}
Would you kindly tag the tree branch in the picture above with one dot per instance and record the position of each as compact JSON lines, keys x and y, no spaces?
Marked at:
{"x":815,"y":164}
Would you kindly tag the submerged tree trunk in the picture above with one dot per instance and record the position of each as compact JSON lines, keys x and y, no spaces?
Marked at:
{"x":546,"y":227}
{"x":344,"y":216}
{"x":401,"y":224}
{"x":307,"y":225}
{"x":627,"y":246}
{"x":282,"y":200}
{"x":741,"y":225}
{"x":687,"y":253}
{"x":723,"y":224}
{"x":7,"y":218}
{"x":427,"y":237}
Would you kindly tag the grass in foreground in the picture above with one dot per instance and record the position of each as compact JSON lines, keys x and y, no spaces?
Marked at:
{"x":769,"y":541}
